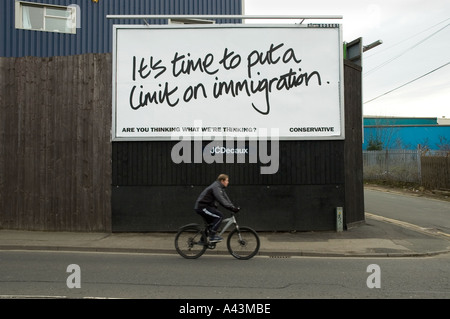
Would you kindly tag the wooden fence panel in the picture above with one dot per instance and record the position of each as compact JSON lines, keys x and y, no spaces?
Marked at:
{"x":354,"y":190}
{"x":435,"y":172}
{"x":55,"y":171}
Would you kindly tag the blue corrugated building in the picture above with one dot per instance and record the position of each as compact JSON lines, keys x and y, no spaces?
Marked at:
{"x":383,"y":121}
{"x":45,"y":28}
{"x":407,"y":133}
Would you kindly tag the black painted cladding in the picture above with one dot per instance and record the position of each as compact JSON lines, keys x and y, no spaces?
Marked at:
{"x":263,"y":207}
{"x":151,"y":193}
{"x":300,"y":163}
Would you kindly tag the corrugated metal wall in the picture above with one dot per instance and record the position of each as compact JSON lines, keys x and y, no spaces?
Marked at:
{"x":407,"y":137}
{"x":95,"y":32}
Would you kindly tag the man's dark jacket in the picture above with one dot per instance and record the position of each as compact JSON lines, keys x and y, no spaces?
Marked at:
{"x":212,"y":194}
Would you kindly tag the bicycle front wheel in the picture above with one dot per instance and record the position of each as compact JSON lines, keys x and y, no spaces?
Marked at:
{"x":243,"y":243}
{"x":190,"y":242}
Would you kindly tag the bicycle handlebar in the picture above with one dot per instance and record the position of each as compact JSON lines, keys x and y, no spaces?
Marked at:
{"x":235,"y":210}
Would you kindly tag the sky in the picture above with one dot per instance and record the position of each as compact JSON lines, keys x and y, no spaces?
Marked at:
{"x":408,"y":75}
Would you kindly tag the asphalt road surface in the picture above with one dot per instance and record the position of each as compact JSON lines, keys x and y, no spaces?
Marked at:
{"x":46,"y":275}
{"x":40,"y":274}
{"x":420,"y":211}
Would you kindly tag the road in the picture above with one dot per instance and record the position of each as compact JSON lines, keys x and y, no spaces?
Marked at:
{"x":43,"y":274}
{"x":420,"y":211}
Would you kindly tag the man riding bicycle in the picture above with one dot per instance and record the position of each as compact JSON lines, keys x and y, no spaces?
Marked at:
{"x":206,"y":205}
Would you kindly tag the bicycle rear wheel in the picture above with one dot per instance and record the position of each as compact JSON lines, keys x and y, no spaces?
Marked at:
{"x":243,"y":243}
{"x":190,"y":242}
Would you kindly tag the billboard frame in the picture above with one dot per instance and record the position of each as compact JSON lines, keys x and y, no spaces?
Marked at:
{"x":116,"y":28}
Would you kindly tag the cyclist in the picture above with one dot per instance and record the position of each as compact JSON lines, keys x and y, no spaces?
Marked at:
{"x":206,"y":205}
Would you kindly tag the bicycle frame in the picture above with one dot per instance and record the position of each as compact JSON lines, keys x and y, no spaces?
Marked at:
{"x":229,"y":221}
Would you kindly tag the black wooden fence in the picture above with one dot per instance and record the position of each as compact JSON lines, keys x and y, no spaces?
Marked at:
{"x":55,"y":158}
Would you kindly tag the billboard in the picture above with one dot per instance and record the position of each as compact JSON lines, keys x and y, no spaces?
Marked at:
{"x":227,"y":81}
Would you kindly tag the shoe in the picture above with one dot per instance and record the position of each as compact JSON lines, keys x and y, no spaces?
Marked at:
{"x":215,"y":239}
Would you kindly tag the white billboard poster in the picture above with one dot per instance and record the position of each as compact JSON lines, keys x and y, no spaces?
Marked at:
{"x":222,"y":81}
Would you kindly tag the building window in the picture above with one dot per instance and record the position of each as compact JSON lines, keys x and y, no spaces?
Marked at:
{"x":43,"y":17}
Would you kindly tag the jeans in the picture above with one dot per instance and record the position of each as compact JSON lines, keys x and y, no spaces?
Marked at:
{"x":212,"y":216}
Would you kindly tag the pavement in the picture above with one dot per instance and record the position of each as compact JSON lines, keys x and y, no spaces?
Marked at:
{"x":376,"y":237}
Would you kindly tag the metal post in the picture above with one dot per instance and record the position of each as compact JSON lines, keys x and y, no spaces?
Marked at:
{"x":339,"y":219}
{"x":255,"y":17}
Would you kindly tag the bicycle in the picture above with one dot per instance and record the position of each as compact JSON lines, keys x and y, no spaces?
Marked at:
{"x":192,"y":240}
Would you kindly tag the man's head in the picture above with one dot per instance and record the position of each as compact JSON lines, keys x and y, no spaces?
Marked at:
{"x":223,"y":179}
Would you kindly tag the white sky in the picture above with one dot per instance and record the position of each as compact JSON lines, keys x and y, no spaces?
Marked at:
{"x":416,"y":40}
